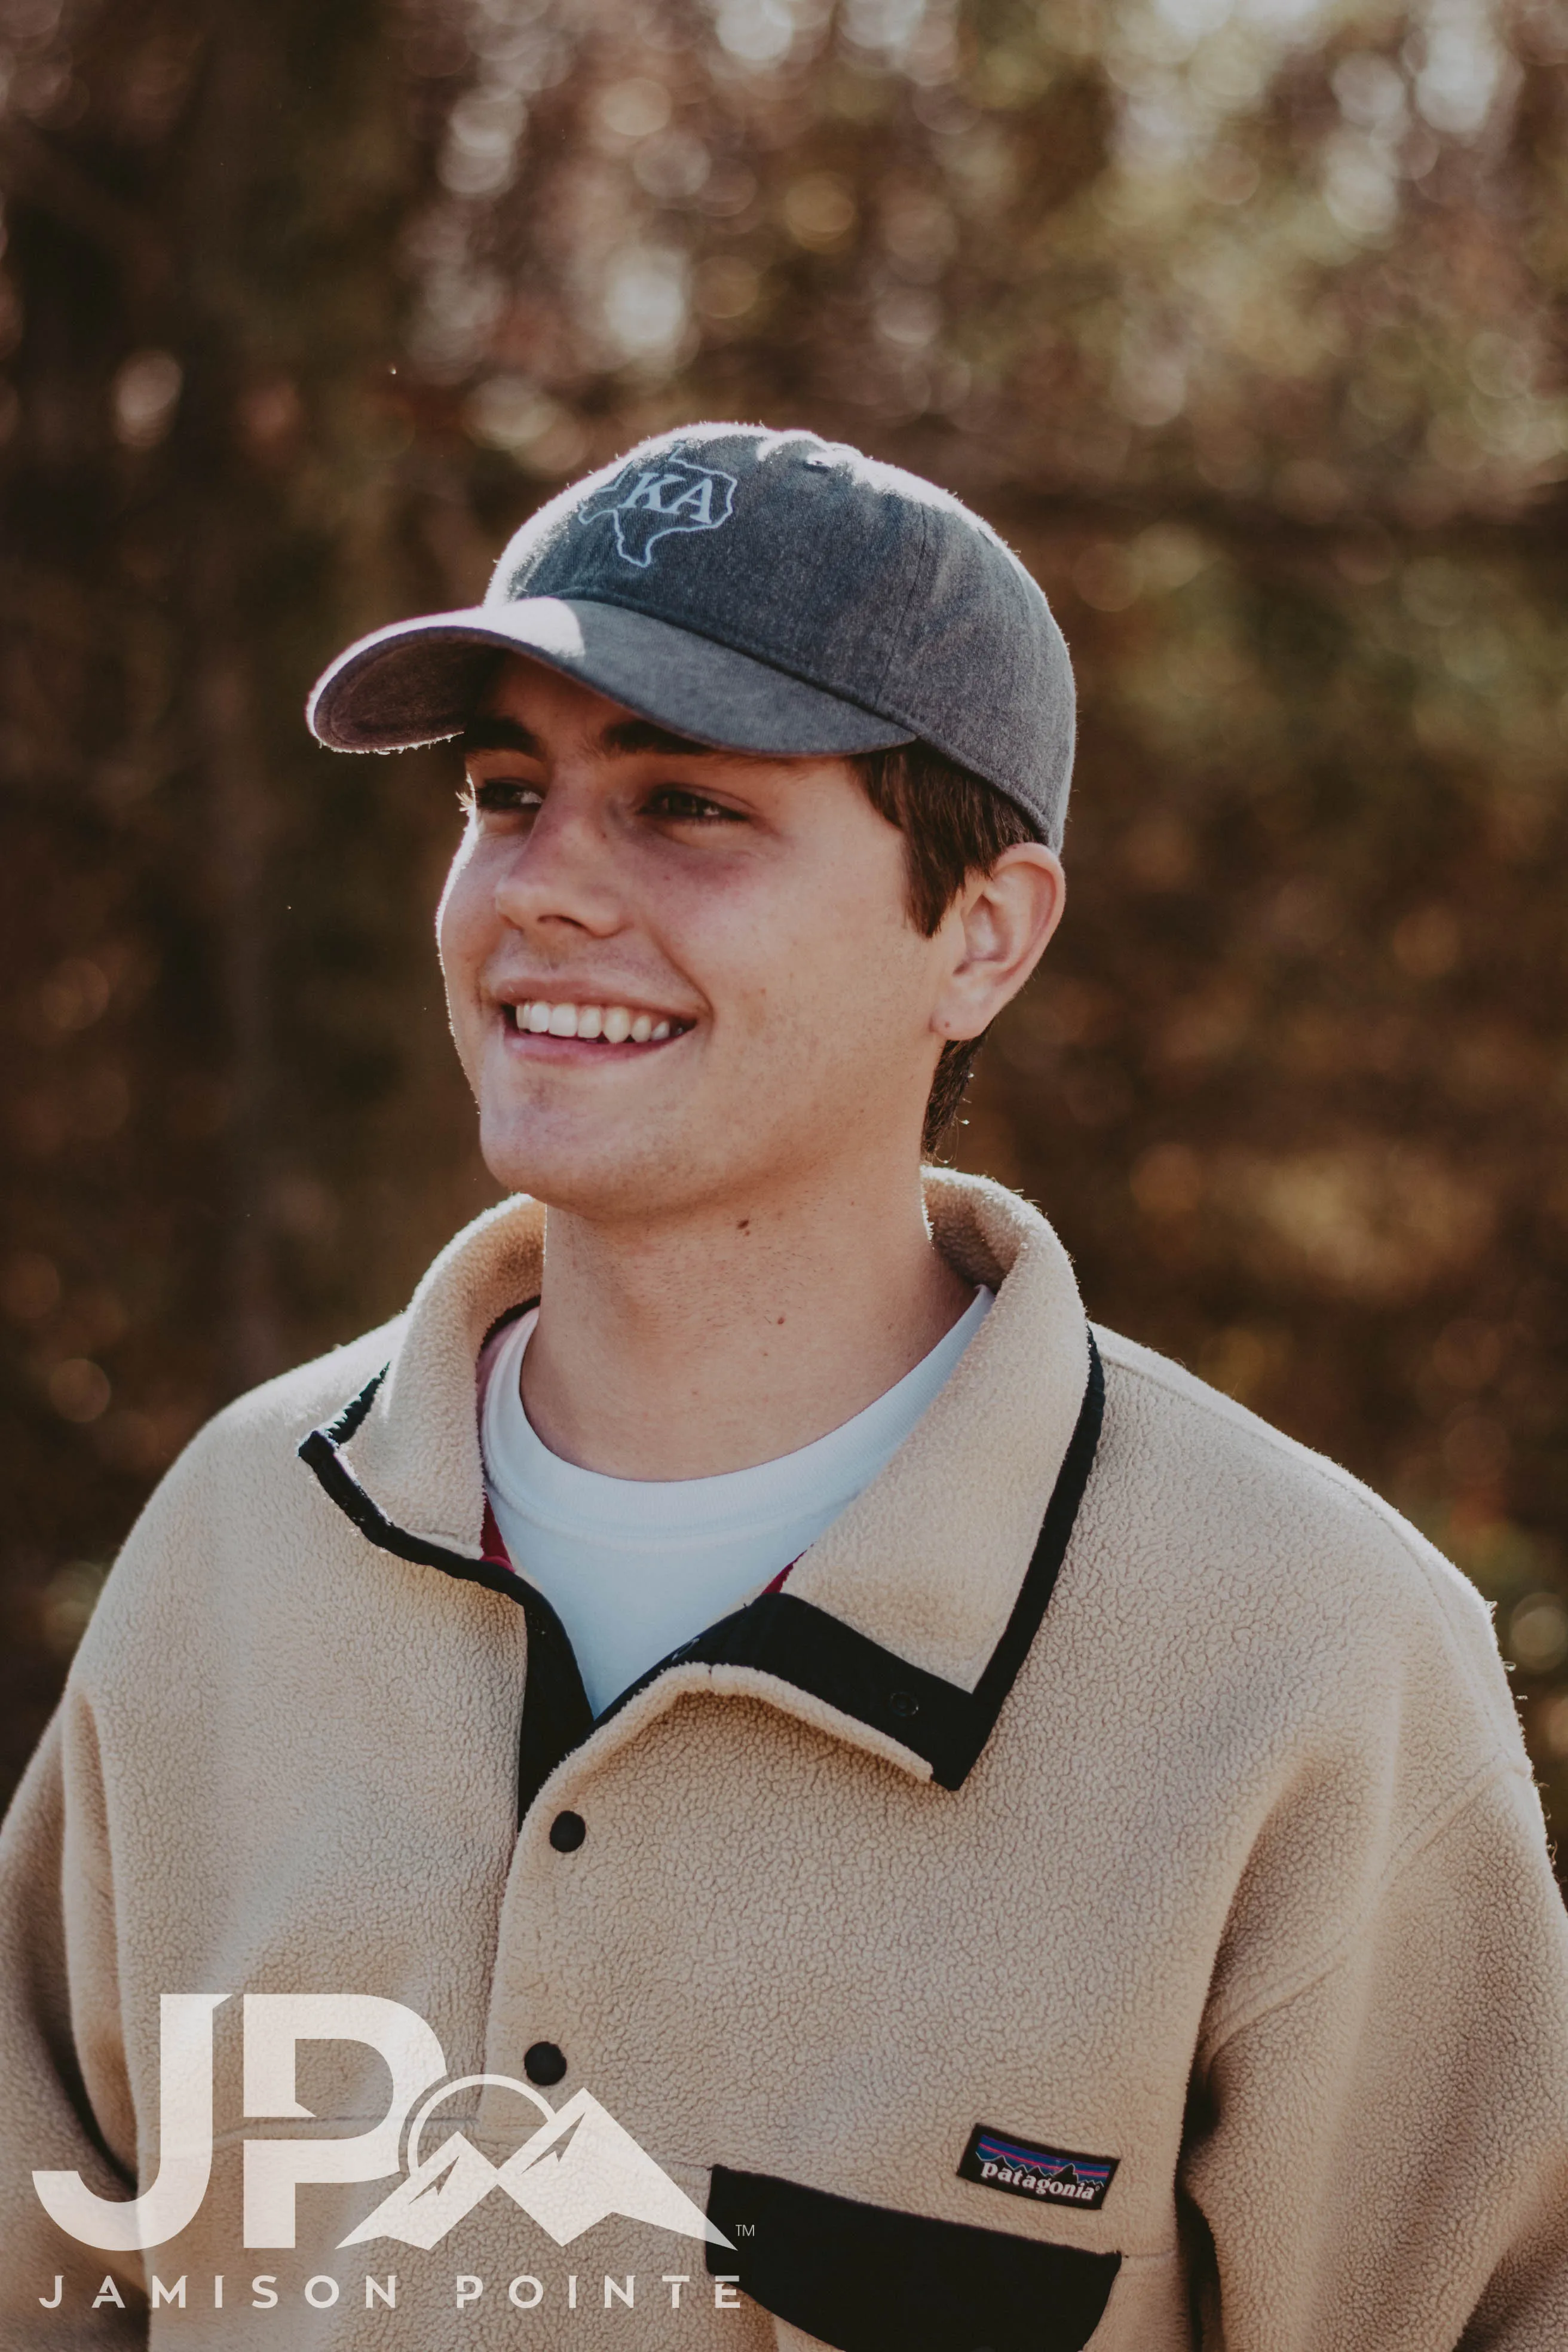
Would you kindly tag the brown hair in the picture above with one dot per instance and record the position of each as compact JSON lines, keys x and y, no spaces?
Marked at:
{"x":954,"y":824}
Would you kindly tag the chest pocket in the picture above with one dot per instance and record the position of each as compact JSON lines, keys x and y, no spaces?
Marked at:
{"x":865,"y":2278}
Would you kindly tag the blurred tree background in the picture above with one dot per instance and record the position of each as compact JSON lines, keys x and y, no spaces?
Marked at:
{"x":1242,"y":320}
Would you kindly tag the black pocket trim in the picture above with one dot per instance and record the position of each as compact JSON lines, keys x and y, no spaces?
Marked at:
{"x":865,"y":2278}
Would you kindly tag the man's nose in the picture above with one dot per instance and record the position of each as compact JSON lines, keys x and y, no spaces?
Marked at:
{"x":566,"y":871}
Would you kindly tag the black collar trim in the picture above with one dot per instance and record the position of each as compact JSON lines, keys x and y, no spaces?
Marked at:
{"x":948,"y":1725}
{"x":321,"y":1452}
{"x":556,"y":1717}
{"x":775,"y":1634}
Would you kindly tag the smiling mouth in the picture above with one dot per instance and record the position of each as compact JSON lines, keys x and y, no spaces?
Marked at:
{"x":609,"y":1024}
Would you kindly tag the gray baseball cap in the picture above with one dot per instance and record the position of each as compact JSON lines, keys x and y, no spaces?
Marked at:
{"x":765,"y":591}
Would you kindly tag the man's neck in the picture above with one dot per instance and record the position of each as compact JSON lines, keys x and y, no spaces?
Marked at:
{"x":685,"y":1348}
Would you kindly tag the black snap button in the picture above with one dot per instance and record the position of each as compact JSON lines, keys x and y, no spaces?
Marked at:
{"x":542,"y":2062}
{"x":567,"y":1831}
{"x":904,"y":1703}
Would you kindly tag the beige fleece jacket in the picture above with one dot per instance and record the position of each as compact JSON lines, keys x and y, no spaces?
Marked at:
{"x":1183,"y":1856}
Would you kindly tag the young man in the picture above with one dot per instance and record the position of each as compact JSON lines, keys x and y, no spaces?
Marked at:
{"x":983,"y":1843}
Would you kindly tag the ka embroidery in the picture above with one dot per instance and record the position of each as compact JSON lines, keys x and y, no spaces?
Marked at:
{"x":647,"y":502}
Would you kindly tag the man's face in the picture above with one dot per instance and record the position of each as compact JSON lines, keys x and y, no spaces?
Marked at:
{"x":747,"y":916}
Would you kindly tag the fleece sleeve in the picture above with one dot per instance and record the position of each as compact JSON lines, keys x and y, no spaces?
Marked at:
{"x":1380,"y":2156}
{"x":66,"y":2104}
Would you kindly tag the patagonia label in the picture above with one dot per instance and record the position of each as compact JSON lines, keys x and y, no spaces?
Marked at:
{"x":1051,"y":2176}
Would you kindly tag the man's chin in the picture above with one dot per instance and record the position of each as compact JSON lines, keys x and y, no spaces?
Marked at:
{"x":642,"y":1172}
{"x":594,"y":1177}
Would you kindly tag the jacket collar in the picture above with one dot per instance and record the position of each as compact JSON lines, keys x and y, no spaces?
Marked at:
{"x":904,"y":1626}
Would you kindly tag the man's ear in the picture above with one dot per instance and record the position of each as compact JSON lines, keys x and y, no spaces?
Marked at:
{"x":998,"y":928}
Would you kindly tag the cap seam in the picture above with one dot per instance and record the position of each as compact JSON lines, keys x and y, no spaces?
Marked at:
{"x":917,"y":578}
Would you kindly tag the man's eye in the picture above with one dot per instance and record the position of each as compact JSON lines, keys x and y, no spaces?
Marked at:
{"x":503,"y":796}
{"x":671,"y":800}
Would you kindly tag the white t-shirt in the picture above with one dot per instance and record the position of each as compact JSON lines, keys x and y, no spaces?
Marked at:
{"x":634,"y":1567}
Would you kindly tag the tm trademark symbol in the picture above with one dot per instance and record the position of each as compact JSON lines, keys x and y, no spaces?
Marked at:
{"x":745,"y":2229}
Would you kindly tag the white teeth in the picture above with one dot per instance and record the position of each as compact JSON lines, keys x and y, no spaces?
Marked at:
{"x":613,"y":1023}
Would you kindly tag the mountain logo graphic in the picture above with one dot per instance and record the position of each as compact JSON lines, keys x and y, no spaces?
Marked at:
{"x":579,"y":2167}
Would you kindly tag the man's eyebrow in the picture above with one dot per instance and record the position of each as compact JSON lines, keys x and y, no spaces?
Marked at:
{"x":488,"y":733}
{"x":642,"y":735}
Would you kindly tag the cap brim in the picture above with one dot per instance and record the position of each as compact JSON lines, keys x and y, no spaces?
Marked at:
{"x":418,"y":681}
